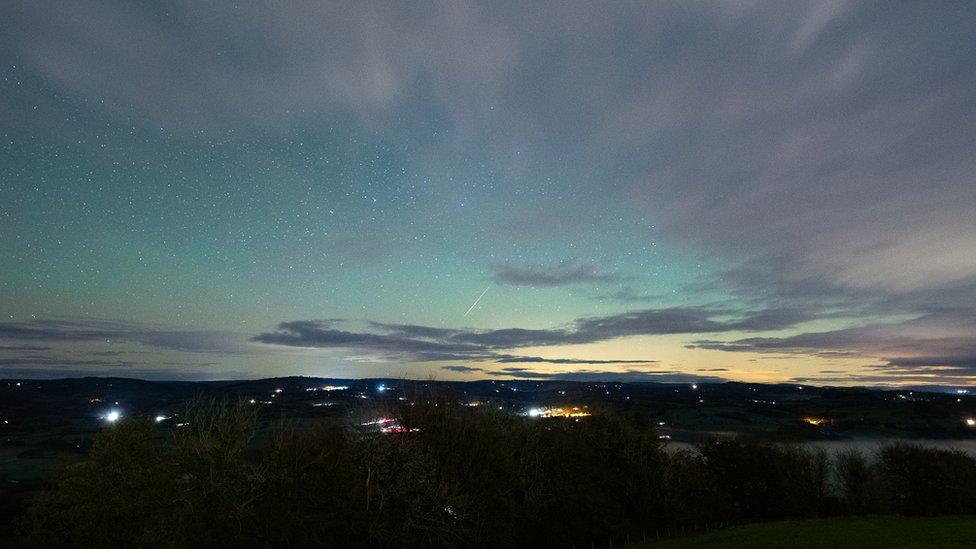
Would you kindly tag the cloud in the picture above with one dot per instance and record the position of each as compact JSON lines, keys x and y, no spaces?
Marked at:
{"x":61,"y":330}
{"x":413,"y":330}
{"x":462,"y":369}
{"x":925,"y":346}
{"x":687,"y":320}
{"x":625,"y":376}
{"x":196,"y":341}
{"x":76,"y":346}
{"x":317,"y":334}
{"x":810,"y":142}
{"x":53,"y":371}
{"x":54,"y":330}
{"x":48,"y":361}
{"x":814,"y":152}
{"x":562,"y":274}
{"x":20,"y":348}
{"x":34,"y":365}
{"x":423,"y":343}
{"x":509,"y":358}
{"x":394,"y":342}
{"x":628,"y":295}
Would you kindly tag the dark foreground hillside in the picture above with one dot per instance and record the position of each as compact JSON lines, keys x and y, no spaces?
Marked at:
{"x":849,"y":532}
{"x":447,"y":475}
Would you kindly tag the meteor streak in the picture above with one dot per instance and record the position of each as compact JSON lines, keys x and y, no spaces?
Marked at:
{"x":477,"y":300}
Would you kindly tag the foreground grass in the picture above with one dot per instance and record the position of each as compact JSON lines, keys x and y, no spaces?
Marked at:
{"x":889,"y":532}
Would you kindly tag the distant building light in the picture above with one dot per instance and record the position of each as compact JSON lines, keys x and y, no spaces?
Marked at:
{"x":694,"y":386}
{"x":379,"y":421}
{"x":112,"y":416}
{"x":335,"y":387}
{"x":387,"y":425}
{"x":572,"y":412}
{"x":971,"y":422}
{"x":161,"y":418}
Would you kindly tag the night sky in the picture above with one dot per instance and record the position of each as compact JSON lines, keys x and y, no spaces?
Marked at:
{"x":651,"y":191}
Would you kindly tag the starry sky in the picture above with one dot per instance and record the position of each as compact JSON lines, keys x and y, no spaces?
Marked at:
{"x":672,"y":191}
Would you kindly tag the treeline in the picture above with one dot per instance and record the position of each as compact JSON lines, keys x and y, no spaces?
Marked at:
{"x":459,"y":477}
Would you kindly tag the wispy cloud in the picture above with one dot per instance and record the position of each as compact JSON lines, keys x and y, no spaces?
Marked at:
{"x":423,"y":343}
{"x":55,"y":330}
{"x":628,"y":295}
{"x":627,"y":375}
{"x":462,"y":369}
{"x":509,"y":359}
{"x":814,"y":151}
{"x":923,"y":346}
{"x":561,"y":274}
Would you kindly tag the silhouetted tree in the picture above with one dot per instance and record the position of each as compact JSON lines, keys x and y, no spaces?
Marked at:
{"x":856,"y":482}
{"x":925,"y":481}
{"x":453,"y":476}
{"x":124,"y":494}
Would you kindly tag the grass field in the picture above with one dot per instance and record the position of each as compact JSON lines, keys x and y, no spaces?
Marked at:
{"x":835,"y":533}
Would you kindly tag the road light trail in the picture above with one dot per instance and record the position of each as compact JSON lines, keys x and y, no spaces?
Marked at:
{"x":477,"y":300}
